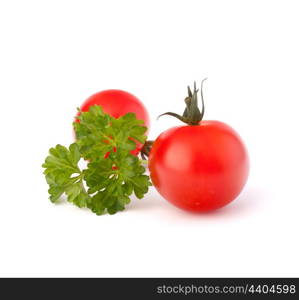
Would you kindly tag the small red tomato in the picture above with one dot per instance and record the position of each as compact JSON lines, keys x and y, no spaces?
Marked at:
{"x":201,"y":166}
{"x":117,"y":103}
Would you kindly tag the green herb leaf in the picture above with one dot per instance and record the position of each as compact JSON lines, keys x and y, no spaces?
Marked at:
{"x":112,"y":181}
{"x":64,"y":176}
{"x":113,"y":174}
{"x":98,"y":133}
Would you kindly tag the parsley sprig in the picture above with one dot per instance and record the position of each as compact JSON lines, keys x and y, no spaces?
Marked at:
{"x":112,"y":175}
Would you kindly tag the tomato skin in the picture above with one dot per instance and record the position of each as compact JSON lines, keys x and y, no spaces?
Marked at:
{"x":117,"y":103}
{"x":199,"y":168}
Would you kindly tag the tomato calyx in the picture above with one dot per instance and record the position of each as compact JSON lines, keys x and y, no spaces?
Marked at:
{"x":192,"y":114}
{"x":146,"y":149}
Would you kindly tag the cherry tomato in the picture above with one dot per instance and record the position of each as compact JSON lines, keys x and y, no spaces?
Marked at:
{"x":201,"y":167}
{"x":117,"y":103}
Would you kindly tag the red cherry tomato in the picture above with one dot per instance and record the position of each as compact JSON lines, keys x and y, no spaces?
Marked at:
{"x":117,"y":103}
{"x":199,"y":168}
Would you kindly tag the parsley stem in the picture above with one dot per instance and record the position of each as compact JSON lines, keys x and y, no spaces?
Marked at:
{"x":82,"y":185}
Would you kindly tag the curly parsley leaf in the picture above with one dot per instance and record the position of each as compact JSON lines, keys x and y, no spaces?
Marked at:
{"x":113,"y":184}
{"x":112,"y":175}
{"x":64,"y":176}
{"x":98,"y":133}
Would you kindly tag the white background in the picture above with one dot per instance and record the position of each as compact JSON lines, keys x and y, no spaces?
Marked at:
{"x":54,"y":54}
